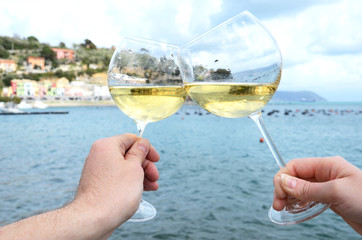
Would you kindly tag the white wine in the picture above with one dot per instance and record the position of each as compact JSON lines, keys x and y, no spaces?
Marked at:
{"x":231,"y":100}
{"x":148,"y":103}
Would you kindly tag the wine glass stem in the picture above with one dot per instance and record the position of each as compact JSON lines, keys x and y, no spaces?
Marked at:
{"x":256,"y":117}
{"x":141,"y":125}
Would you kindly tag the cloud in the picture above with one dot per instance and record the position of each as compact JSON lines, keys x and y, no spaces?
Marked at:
{"x":322,"y":29}
{"x":337,"y":30}
{"x":312,"y":35}
{"x":170,"y":21}
{"x":105,"y":23}
{"x":322,"y":49}
{"x":67,"y":21}
{"x":337,"y":78}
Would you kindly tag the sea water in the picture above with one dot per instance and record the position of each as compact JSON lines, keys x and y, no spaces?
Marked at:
{"x":215,"y":175}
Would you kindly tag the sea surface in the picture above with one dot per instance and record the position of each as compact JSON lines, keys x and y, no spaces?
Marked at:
{"x":215,"y":174}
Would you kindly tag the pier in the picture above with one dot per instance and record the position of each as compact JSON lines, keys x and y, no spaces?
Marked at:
{"x":33,"y":113}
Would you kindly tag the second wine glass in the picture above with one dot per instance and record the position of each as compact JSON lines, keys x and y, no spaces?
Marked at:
{"x":145,"y":83}
{"x":233,"y":71}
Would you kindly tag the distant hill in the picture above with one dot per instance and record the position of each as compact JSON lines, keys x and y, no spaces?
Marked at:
{"x":300,"y":96}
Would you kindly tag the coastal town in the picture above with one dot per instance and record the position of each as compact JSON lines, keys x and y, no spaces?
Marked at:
{"x":54,"y":76}
{"x":60,"y":90}
{"x":35,"y":75}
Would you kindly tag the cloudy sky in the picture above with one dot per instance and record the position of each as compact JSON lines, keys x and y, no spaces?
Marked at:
{"x":320,"y":40}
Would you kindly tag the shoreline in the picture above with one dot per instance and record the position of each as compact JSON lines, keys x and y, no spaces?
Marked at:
{"x":105,"y":103}
{"x":80,"y":104}
{"x":108,"y":103}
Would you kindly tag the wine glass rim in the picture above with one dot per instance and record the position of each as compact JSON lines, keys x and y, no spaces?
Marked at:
{"x":147,"y":41}
{"x":245,"y":12}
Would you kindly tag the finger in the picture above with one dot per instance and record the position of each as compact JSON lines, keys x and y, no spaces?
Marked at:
{"x":281,"y":171}
{"x":149,"y":185}
{"x":125,"y":141}
{"x":153,"y":155}
{"x":279,"y":204}
{"x":278,"y":190}
{"x":138,"y":151}
{"x":307,"y":191}
{"x":319,"y":169}
{"x":150,"y":169}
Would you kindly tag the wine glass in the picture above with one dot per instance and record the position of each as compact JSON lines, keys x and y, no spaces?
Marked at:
{"x":145,"y":83}
{"x":232,"y":71}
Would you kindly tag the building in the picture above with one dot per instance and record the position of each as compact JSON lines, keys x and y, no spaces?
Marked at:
{"x":61,"y":85}
{"x":7,"y":65}
{"x":99,"y":78}
{"x":101,"y":92}
{"x":57,"y":89}
{"x":47,"y":87}
{"x":24,"y":87}
{"x":7,"y":92}
{"x":63,"y":53}
{"x":36,"y":62}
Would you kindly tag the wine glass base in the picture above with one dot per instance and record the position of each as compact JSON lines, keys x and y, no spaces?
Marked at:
{"x":288,"y":218}
{"x":144,"y":212}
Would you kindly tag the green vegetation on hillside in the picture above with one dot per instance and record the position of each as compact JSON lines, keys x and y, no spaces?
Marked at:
{"x":19,"y":49}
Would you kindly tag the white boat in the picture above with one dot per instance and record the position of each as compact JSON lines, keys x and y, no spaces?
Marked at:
{"x":24,"y":105}
{"x":10,"y":107}
{"x":39,"y":104}
{"x":11,"y":110}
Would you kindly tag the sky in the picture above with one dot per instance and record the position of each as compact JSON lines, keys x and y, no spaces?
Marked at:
{"x":320,"y":40}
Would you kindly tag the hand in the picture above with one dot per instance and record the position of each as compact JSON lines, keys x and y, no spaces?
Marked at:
{"x":115,"y":174}
{"x":330,"y":180}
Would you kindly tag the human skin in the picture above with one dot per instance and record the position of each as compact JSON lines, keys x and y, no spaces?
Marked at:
{"x":115,"y":173}
{"x":330,"y":180}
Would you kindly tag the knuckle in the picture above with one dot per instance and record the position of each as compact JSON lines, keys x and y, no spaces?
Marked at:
{"x":277,"y":181}
{"x":135,"y":169}
{"x":305,"y":190}
{"x":338,"y":159}
{"x":99,"y":145}
{"x":134,"y":154}
{"x":333,"y":192}
{"x":130,"y":135}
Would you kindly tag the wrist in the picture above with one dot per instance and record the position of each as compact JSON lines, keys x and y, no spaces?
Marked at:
{"x":107,"y":213}
{"x":101,"y":216}
{"x":73,"y":221}
{"x":80,"y":221}
{"x":86,"y":222}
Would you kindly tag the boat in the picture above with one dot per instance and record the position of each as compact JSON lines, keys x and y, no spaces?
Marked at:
{"x":39,"y":105}
{"x":10,"y":107}
{"x":24,"y":105}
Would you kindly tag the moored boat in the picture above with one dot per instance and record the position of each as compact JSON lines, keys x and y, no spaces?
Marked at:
{"x":40,"y":105}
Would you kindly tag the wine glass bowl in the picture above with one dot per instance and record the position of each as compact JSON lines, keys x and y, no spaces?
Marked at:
{"x":145,"y":83}
{"x":236,"y":67}
{"x":233,"y":70}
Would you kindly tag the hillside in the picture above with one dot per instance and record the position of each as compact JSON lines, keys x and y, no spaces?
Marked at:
{"x":299,"y":96}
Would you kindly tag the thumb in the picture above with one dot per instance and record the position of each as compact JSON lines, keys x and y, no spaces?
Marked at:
{"x":138,"y":151}
{"x":305,"y":190}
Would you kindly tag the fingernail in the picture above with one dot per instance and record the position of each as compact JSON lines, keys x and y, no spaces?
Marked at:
{"x":143,"y":145}
{"x":289,"y":181}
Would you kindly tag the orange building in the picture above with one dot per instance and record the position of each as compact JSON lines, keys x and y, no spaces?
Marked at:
{"x":64,"y":53}
{"x":7,"y":65}
{"x":36,"y":62}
